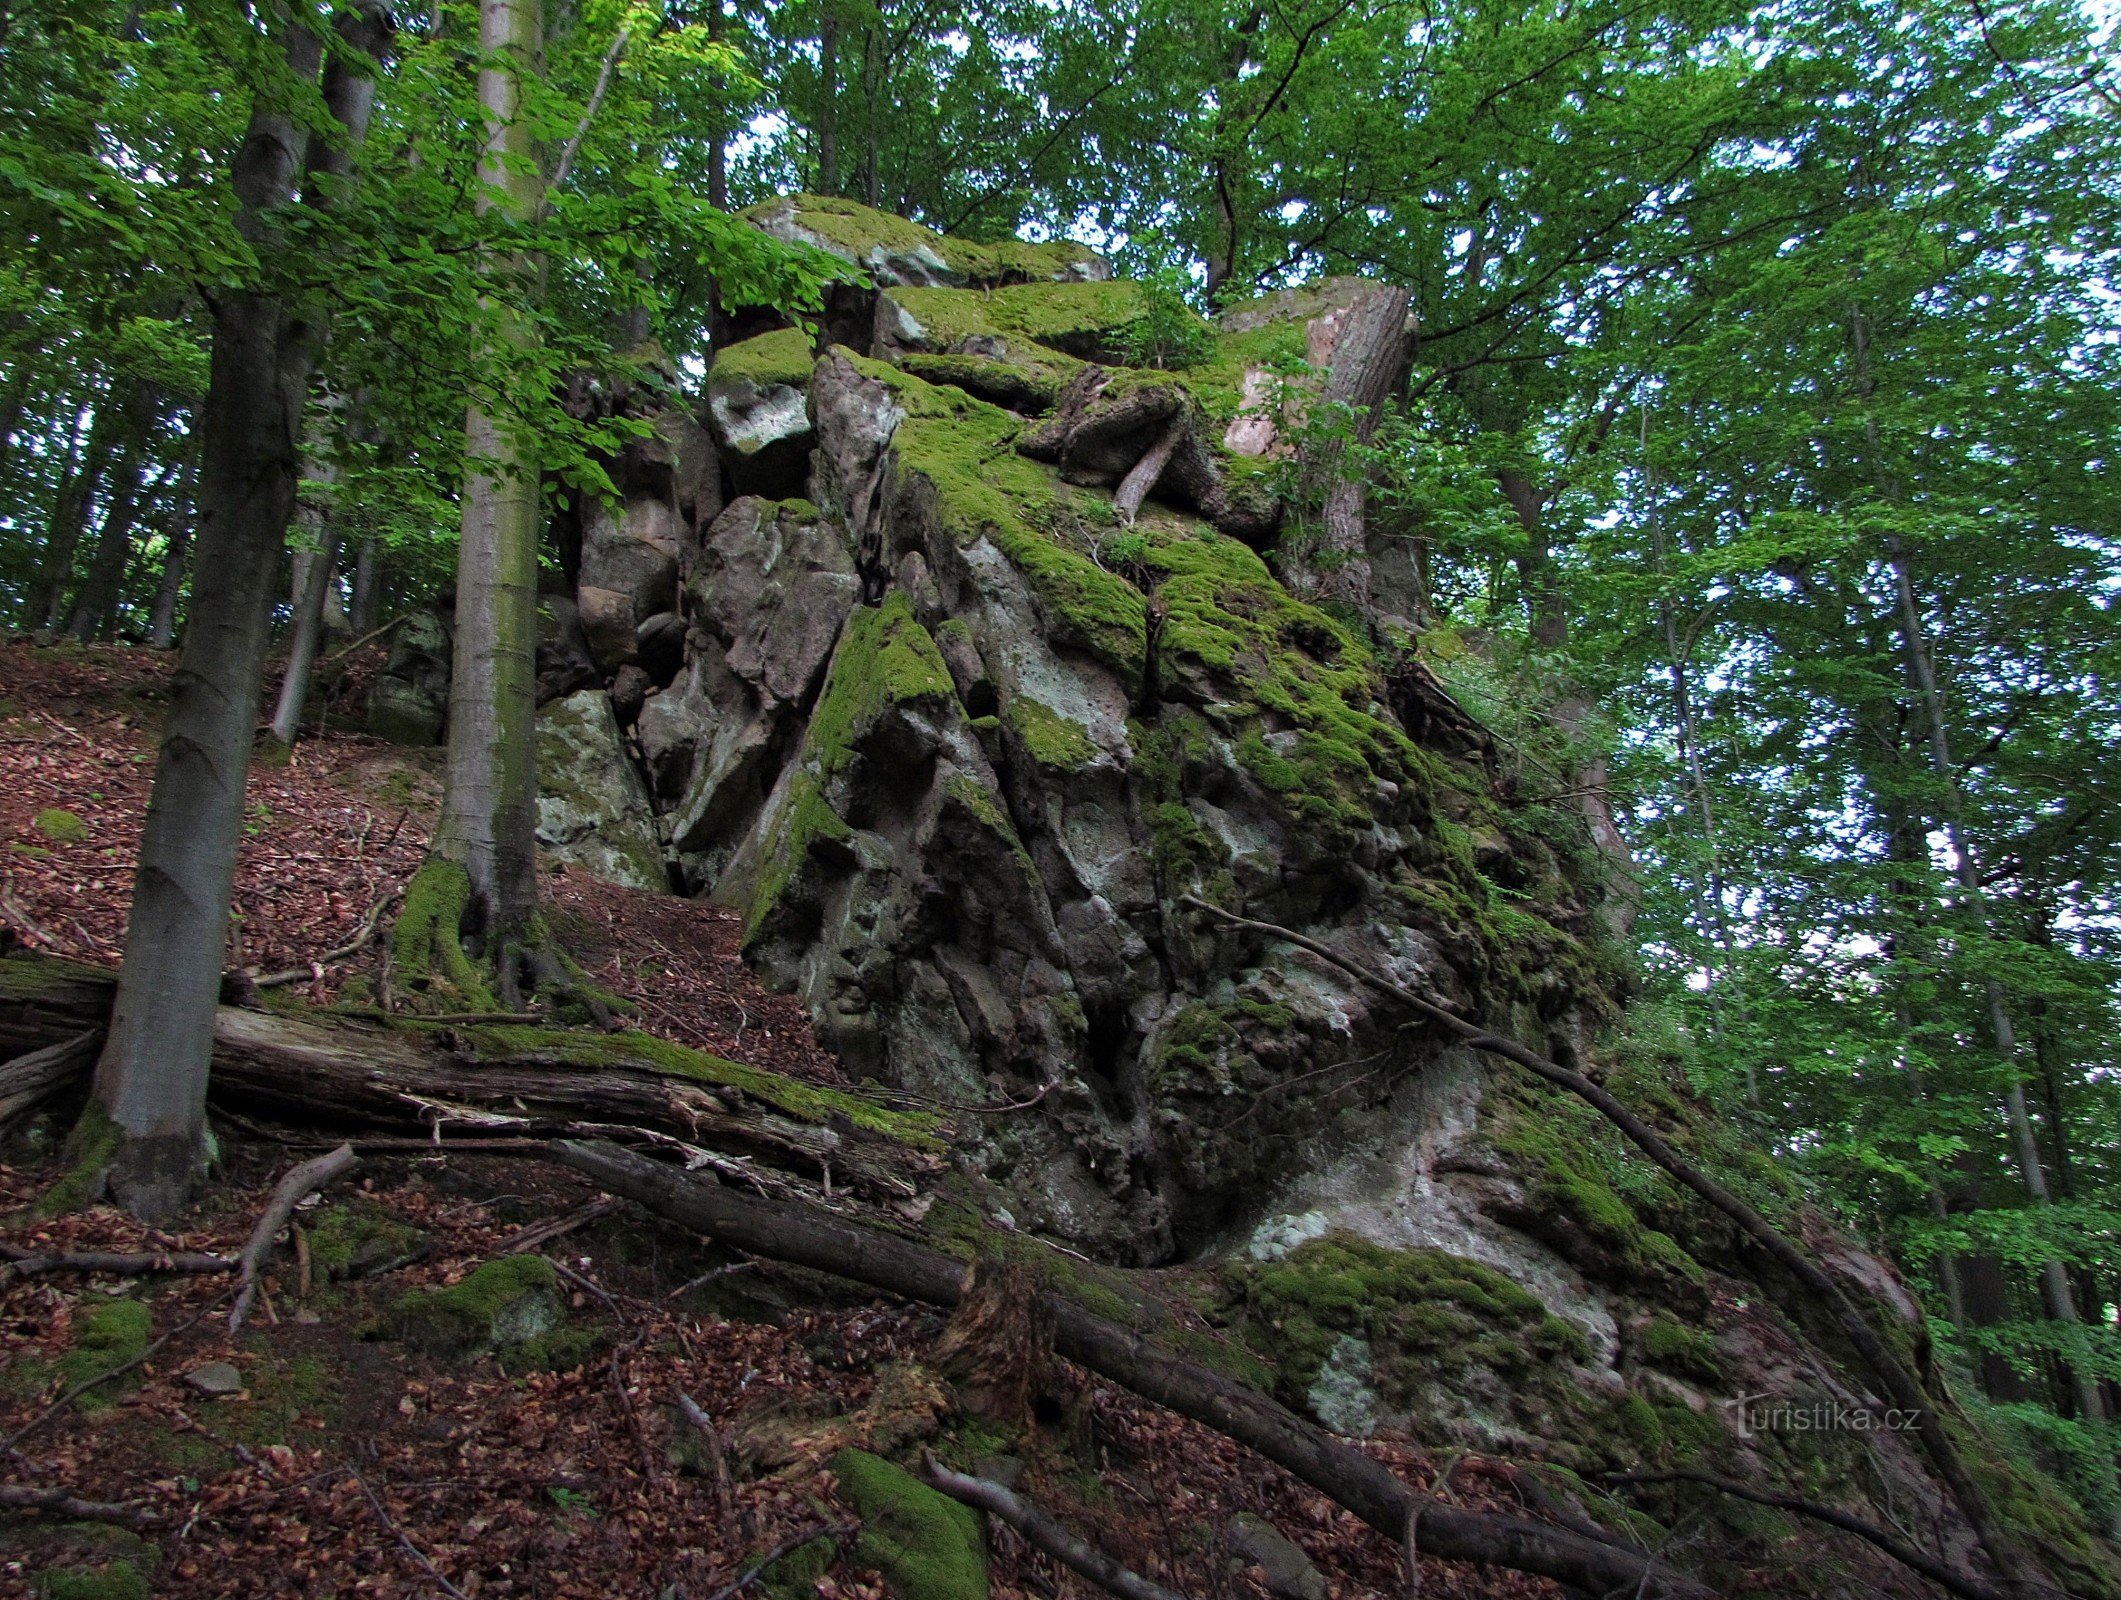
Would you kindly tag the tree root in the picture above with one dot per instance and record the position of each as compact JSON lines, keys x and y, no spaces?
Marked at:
{"x":1900,"y":1384}
{"x":806,"y":1236}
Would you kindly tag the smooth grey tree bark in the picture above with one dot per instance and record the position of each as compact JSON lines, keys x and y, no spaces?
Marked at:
{"x":144,"y":1128}
{"x":489,"y":801}
{"x":182,"y":514}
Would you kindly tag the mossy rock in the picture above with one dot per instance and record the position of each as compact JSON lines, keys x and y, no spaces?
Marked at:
{"x":114,"y":1580}
{"x":105,"y":1339}
{"x":1423,"y":1315}
{"x":503,"y":1306}
{"x":350,"y":1241}
{"x":60,"y":826}
{"x":794,"y":1576}
{"x":927,"y":1546}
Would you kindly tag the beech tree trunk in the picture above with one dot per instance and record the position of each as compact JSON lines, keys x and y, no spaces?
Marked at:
{"x":97,"y":600}
{"x":828,"y":118}
{"x":1368,"y":358}
{"x":146,"y":1123}
{"x":303,"y":643}
{"x":176,"y":558}
{"x":69,"y":516}
{"x":489,"y":803}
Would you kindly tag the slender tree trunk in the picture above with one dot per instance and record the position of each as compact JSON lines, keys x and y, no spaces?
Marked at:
{"x":303,"y":643}
{"x":69,"y":517}
{"x":828,"y":116}
{"x":873,"y":120}
{"x":145,"y":1126}
{"x":97,"y":599}
{"x":183,"y":513}
{"x":489,"y":805}
{"x":718,"y":137}
{"x":1369,"y":357}
{"x":2055,"y":1288}
{"x":366,"y":587}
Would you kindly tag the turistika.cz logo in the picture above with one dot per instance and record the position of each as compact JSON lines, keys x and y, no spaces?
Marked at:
{"x":1763,"y":1413}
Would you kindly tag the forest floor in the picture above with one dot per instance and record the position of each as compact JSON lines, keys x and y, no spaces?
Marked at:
{"x":350,"y":1462}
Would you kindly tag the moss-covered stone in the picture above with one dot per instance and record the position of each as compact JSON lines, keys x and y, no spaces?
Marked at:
{"x":1049,"y":738}
{"x":60,"y":826}
{"x":1423,"y":1314}
{"x":1689,"y":1352}
{"x":106,"y":1337}
{"x":794,"y":1576}
{"x":114,"y":1580}
{"x":983,"y":489}
{"x":349,"y":1240}
{"x":927,"y":1546}
{"x":782,"y":357}
{"x":899,"y":250}
{"x":500,"y":1306}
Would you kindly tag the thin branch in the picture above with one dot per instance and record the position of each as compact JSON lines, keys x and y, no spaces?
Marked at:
{"x":1043,"y":1533}
{"x":300,"y":1180}
{"x":21,"y":1497}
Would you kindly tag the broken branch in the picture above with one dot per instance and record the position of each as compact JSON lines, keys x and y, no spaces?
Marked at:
{"x":300,"y":1180}
{"x":1043,"y":1533}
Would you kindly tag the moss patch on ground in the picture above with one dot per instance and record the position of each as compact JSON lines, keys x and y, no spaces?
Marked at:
{"x":502,"y":1305}
{"x":927,"y":1546}
{"x":60,"y":826}
{"x":105,"y":1339}
{"x":348,"y":1240}
{"x":115,"y":1580}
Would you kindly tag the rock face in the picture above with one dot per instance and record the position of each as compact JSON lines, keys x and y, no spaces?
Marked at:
{"x":409,"y":701}
{"x":593,"y":809}
{"x":990,"y":675}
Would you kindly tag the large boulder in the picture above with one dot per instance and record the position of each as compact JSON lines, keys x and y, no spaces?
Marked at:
{"x":893,"y":251}
{"x":593,"y":809}
{"x":755,"y":401}
{"x":409,"y":701}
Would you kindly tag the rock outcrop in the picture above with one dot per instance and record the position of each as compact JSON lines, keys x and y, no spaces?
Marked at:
{"x":991,"y":672}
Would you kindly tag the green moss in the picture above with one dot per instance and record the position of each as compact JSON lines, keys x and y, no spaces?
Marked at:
{"x":927,"y":1546}
{"x":105,"y":1339}
{"x":806,"y":1102}
{"x":1083,"y":321}
{"x":1029,"y":386}
{"x":806,"y":823}
{"x":1424,"y":1313}
{"x":1670,"y":1344}
{"x":426,"y":945}
{"x":91,"y":1146}
{"x":359,"y":1237}
{"x":781,"y":357}
{"x":983,"y":489}
{"x":1049,"y":738}
{"x":884,"y":658}
{"x":854,"y":231}
{"x":794,"y":1576}
{"x":502,"y":1304}
{"x":60,"y":826}
{"x":116,"y":1580}
{"x":1572,"y":1160}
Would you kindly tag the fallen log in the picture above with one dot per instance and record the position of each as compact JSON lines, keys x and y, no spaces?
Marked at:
{"x":809,"y":1236}
{"x":322,"y":1070}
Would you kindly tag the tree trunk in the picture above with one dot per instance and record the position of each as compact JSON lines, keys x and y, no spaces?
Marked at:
{"x":69,"y":516}
{"x":2056,"y":1291}
{"x":828,"y":116}
{"x":97,"y":600}
{"x":718,"y":140}
{"x":489,"y":803}
{"x":147,"y":1118}
{"x":183,"y":514}
{"x":366,"y":587}
{"x":307,"y":638}
{"x":1369,"y":358}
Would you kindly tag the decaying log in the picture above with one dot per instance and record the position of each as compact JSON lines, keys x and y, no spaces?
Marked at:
{"x":346,"y":1073}
{"x":36,"y":1075}
{"x":1043,"y":1533}
{"x":22,"y":1497}
{"x":1900,"y":1383}
{"x":808,"y":1236}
